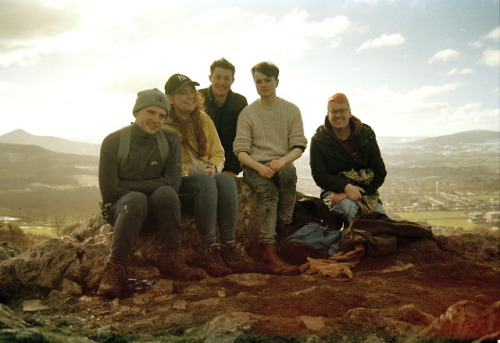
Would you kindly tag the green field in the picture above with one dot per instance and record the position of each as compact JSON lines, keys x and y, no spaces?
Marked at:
{"x":38,"y":230}
{"x":486,"y":197}
{"x":454,"y":219}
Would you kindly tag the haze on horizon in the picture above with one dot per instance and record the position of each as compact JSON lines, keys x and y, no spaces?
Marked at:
{"x":410,"y":68}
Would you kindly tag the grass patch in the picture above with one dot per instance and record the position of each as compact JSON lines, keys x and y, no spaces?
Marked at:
{"x":38,"y":230}
{"x":486,"y":197}
{"x":454,"y":219}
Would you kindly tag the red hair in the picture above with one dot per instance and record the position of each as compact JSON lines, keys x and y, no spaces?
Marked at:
{"x":339,"y":98}
{"x":191,"y":130}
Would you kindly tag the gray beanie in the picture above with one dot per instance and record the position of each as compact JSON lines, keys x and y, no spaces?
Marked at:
{"x":151,"y":97}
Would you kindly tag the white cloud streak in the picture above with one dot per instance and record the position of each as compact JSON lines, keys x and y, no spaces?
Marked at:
{"x":493,"y":35}
{"x":383,"y":41}
{"x":491,"y":58}
{"x":444,"y":56}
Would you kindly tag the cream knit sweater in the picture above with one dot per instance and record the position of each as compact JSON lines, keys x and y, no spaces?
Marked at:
{"x":269,"y":133}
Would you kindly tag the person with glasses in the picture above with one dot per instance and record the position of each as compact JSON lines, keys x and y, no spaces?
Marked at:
{"x":346,"y":162}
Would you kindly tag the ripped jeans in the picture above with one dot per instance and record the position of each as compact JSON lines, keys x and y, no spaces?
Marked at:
{"x":350,"y":209}
{"x":134,"y":210}
{"x":277,"y":197}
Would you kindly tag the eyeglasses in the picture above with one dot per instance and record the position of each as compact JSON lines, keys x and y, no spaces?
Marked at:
{"x":341,"y":111}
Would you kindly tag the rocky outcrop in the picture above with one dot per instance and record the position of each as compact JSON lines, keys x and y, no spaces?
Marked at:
{"x":429,"y":289}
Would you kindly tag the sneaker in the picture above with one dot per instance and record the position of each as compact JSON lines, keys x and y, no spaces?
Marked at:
{"x":172,"y":263}
{"x":210,"y":259}
{"x":113,"y":277}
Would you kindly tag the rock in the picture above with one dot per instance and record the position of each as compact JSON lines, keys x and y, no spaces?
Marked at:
{"x":227,"y":328}
{"x":466,"y":320}
{"x":34,"y":305}
{"x":313,"y":323}
{"x":10,"y":319}
{"x":8,"y":251}
{"x":71,"y":287}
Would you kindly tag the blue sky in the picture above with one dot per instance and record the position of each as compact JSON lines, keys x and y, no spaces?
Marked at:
{"x":410,"y":68}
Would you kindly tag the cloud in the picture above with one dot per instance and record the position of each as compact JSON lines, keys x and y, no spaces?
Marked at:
{"x":444,"y":56}
{"x":383,"y":40}
{"x":491,"y":58}
{"x":26,"y":20}
{"x":31,"y":30}
{"x":464,"y":71}
{"x":493,"y":34}
{"x":288,"y":37}
{"x":476,"y":44}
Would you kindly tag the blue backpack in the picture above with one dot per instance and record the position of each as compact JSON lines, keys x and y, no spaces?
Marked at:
{"x":311,"y":240}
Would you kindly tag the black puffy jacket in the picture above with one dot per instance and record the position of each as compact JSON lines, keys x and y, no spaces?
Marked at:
{"x":328,"y":158}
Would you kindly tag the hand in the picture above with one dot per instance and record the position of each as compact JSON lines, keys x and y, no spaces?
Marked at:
{"x":265,"y":171}
{"x":275,"y":165}
{"x":337,"y":197}
{"x":354,"y":192}
{"x":211,"y":170}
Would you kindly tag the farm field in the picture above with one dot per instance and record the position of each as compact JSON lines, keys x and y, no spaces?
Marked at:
{"x":439,"y":218}
{"x":38,"y":230}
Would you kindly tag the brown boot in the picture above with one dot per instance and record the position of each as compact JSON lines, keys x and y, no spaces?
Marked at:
{"x":212,"y":262}
{"x":232,"y":257}
{"x":113,"y":277}
{"x":172,"y":263}
{"x":274,"y":263}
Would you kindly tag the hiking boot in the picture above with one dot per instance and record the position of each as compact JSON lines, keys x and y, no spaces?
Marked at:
{"x":113,"y":277}
{"x":211,"y":260}
{"x":274,"y":263}
{"x":232,"y":257}
{"x":172,"y":263}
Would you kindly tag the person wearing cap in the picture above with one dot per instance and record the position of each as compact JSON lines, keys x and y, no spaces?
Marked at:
{"x":269,"y":137}
{"x":224,"y":106}
{"x":346,"y":162}
{"x":210,"y":194}
{"x":141,"y":189}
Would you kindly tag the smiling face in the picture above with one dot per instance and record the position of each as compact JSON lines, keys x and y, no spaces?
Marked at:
{"x":339,"y":115}
{"x":265,"y":85}
{"x":221,"y":80}
{"x":150,"y":119}
{"x":184,"y":101}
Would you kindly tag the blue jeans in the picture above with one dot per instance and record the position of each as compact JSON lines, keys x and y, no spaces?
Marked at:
{"x":277,"y":197}
{"x":350,"y":209}
{"x":213,"y":201}
{"x":134,"y":210}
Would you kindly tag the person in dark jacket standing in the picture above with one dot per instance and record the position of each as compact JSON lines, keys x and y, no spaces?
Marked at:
{"x":141,"y":188}
{"x":224,"y":106}
{"x":346,"y":162}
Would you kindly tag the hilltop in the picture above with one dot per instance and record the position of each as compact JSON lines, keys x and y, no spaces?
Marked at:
{"x":55,"y":144}
{"x":425,"y":289}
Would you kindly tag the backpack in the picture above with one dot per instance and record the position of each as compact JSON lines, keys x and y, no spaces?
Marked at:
{"x":122,"y":157}
{"x":312,"y":240}
{"x":124,"y":147}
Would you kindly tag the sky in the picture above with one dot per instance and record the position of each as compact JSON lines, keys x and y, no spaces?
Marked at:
{"x":410,"y":68}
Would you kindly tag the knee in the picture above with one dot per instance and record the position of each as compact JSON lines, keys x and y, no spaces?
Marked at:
{"x":204,"y":182}
{"x":225,"y":181}
{"x":135,"y":203}
{"x":288,"y":174}
{"x":165,"y":195}
{"x":267,"y":195}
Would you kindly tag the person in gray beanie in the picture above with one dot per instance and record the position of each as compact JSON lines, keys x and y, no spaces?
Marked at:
{"x":139,"y":180}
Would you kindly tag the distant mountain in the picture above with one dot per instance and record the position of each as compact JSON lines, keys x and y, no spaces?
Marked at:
{"x":51,"y":143}
{"x":463,"y":138}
